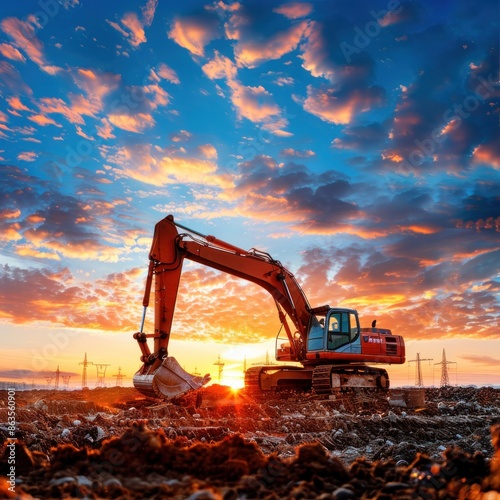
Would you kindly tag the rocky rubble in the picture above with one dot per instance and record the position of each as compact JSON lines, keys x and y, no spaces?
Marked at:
{"x":114,"y":443}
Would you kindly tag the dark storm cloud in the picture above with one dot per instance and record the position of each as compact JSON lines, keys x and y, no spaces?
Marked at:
{"x":361,"y":138}
{"x":325,"y":203}
{"x":432,"y":248}
{"x":447,"y":111}
{"x":44,"y":223}
{"x":483,"y":204}
{"x":326,"y":199}
{"x":351,"y":74}
{"x":480,"y":268}
{"x":12,"y":80}
{"x":261,"y":34}
{"x":18,"y":188}
{"x":263,"y":175}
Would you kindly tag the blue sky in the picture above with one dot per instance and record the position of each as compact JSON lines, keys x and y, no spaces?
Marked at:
{"x":357,"y":142}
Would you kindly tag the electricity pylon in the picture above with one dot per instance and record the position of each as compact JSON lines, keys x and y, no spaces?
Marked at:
{"x":419,"y":381}
{"x":85,"y":363}
{"x":445,"y":378}
{"x":220,"y":364}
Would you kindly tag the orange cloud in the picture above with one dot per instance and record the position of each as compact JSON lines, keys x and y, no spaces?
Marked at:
{"x":35,"y":218}
{"x":136,"y":31}
{"x":181,"y":136}
{"x":58,"y":298}
{"x":294,"y":153}
{"x":294,"y":10}
{"x":10,"y":232}
{"x":48,"y":105}
{"x":223,"y":316}
{"x":23,"y":34}
{"x":220,"y":67}
{"x":27,"y":156}
{"x":254,"y":103}
{"x":52,"y":70}
{"x":148,"y":12}
{"x":487,"y":154}
{"x":26,"y":251}
{"x":167,"y":73}
{"x":341,"y":107}
{"x":208,"y":151}
{"x":96,"y":85}
{"x":11,"y":52}
{"x":10,"y":213}
{"x":133,"y":32}
{"x":193,"y":33}
{"x":15,"y":103}
{"x":253,"y":52}
{"x":314,"y":53}
{"x":421,"y":229}
{"x":132,"y":123}
{"x":83,"y":249}
{"x":82,"y":106}
{"x":105,"y":130}
{"x":149,"y":166}
{"x":43,"y":120}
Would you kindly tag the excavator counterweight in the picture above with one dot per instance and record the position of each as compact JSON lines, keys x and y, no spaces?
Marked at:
{"x":327,"y":341}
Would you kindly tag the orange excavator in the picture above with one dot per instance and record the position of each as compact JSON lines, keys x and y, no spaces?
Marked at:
{"x":330,"y":349}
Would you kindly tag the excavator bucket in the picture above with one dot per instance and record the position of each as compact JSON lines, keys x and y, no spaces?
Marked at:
{"x":169,"y":381}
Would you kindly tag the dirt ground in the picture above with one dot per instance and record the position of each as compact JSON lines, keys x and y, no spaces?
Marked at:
{"x":115,"y":443}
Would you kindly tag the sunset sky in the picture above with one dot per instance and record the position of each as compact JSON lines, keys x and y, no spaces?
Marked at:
{"x":355,"y":141}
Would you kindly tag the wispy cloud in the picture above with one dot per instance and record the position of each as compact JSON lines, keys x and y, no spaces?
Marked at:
{"x":480,"y":360}
{"x":294,"y":10}
{"x":11,"y":52}
{"x":196,"y":31}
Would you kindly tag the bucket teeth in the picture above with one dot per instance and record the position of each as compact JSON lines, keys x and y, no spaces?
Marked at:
{"x":169,"y":381}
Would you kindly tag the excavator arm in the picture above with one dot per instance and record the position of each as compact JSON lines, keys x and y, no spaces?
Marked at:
{"x":160,"y":374}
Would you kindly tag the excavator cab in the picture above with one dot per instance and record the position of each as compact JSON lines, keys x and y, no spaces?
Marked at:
{"x":332,"y":329}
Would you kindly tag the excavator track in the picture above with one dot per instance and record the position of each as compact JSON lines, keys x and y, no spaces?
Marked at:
{"x":275,"y":378}
{"x":252,"y":379}
{"x":330,"y":379}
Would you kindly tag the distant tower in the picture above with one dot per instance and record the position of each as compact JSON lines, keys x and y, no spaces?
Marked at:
{"x":245,"y":364}
{"x":85,"y":363}
{"x":119,"y":377}
{"x":66,"y":381}
{"x":49,"y":381}
{"x":221,"y":367}
{"x":101,"y":373}
{"x":445,"y":379}
{"x":56,"y":384}
{"x":419,"y":381}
